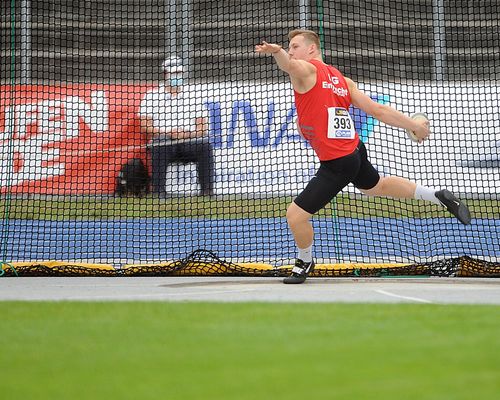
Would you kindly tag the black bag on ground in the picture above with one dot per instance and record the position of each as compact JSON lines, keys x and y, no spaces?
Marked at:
{"x":133,"y":179}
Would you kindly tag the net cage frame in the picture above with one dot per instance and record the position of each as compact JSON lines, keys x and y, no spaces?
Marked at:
{"x":61,"y":57}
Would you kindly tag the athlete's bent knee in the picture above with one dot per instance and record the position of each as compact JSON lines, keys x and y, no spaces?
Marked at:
{"x":377,"y":190}
{"x":296,"y":215}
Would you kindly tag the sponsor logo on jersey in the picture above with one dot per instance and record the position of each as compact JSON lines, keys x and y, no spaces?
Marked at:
{"x":332,"y":85}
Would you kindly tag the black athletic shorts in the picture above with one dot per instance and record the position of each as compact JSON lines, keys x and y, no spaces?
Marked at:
{"x":334,"y":175}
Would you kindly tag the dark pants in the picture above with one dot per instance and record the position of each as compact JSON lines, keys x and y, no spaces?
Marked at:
{"x":334,"y":175}
{"x":197,"y":152}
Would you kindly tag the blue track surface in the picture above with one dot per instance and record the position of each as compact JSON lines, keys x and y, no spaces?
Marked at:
{"x":142,"y":240}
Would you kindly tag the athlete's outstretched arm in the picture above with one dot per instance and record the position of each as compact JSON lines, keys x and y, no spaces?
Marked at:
{"x":385,"y":113}
{"x":295,"y":68}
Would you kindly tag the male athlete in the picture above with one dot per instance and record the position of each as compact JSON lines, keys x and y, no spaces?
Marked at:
{"x":322,"y":99}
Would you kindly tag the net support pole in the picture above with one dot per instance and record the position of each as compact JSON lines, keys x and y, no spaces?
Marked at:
{"x":187,"y":33}
{"x":439,"y":40}
{"x":303,"y":14}
{"x":333,"y":203}
{"x":171,"y":27}
{"x":9,"y":126}
{"x":25,"y":19}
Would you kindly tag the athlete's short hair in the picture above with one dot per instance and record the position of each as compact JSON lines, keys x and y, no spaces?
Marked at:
{"x":310,"y":36}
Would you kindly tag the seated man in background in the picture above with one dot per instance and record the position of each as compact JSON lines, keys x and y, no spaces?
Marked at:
{"x":176,"y":124}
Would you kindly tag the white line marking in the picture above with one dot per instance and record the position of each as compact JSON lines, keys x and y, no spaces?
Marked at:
{"x":211,"y":292}
{"x":131,"y":296}
{"x":403,"y":297}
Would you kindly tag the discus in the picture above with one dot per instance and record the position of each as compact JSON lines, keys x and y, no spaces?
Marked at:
{"x":411,"y":134}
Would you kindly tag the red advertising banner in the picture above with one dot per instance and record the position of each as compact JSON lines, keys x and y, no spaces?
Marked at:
{"x":68,"y":139}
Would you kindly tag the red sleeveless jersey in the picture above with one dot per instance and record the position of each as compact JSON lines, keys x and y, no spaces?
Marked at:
{"x":323,"y":114}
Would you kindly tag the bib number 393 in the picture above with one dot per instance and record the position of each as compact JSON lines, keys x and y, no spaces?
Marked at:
{"x":340,"y":124}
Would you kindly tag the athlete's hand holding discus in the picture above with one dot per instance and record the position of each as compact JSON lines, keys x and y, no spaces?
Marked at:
{"x":422,"y":131}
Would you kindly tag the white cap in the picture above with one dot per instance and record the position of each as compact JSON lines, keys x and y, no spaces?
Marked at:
{"x":172,"y":64}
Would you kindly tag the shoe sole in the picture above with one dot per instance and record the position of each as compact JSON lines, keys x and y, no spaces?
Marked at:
{"x":463,"y":213}
{"x":294,"y":280}
{"x":291,"y":280}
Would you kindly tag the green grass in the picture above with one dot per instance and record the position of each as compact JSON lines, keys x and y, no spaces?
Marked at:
{"x":209,"y":351}
{"x":88,"y":208}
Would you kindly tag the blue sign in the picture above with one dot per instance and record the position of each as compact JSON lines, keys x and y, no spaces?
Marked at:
{"x":261,"y":136}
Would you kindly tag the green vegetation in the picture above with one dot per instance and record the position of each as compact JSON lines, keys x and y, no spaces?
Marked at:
{"x":125,"y":350}
{"x":89,"y":208}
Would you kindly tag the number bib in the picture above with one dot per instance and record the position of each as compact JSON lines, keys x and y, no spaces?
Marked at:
{"x":340,"y":124}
